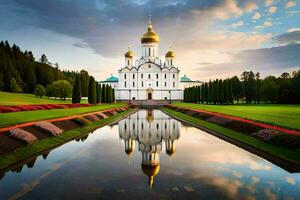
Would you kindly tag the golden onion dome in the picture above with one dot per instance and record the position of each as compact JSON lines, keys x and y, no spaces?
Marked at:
{"x":170,"y":54}
{"x":129,"y":151}
{"x":150,"y":36}
{"x":129,"y":54}
{"x":150,"y":171}
{"x":171,"y":152}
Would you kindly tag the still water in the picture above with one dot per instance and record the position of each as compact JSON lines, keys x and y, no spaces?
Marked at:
{"x":149,"y":155}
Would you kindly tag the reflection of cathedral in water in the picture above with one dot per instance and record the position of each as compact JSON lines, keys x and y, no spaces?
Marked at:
{"x":149,"y":128}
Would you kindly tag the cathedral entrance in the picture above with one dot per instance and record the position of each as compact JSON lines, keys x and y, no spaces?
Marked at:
{"x":149,"y":93}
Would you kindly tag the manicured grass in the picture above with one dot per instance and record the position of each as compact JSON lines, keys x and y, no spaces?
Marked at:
{"x":51,"y":142}
{"x":10,"y":99}
{"x":283,"y":153}
{"x":7,"y":119}
{"x":275,"y":114}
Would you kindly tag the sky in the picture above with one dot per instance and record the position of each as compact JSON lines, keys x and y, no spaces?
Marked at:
{"x":211,"y":38}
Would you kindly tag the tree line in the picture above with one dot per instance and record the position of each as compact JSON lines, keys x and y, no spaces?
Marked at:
{"x":249,"y":88}
{"x":20,"y":72}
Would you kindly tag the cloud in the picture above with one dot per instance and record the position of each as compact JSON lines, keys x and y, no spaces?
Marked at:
{"x":272,"y":10}
{"x":264,"y":25}
{"x":250,"y":6}
{"x":237,"y":24}
{"x":293,"y":29}
{"x":268,"y":2}
{"x":290,"y":37}
{"x":290,"y":4}
{"x":256,"y":16}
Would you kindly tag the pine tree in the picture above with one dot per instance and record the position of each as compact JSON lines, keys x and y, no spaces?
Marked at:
{"x":92,"y":91}
{"x":31,"y":79}
{"x":103,"y":96}
{"x":76,"y":96}
{"x":98,"y":93}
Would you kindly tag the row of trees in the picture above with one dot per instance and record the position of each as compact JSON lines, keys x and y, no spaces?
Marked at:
{"x":250,"y":88}
{"x":20,"y":72}
{"x":96,"y":92}
{"x":217,"y":92}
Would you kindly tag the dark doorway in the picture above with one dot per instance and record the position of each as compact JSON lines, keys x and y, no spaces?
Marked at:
{"x":149,"y":95}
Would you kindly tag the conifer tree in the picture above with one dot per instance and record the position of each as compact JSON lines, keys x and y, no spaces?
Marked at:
{"x":31,"y":79}
{"x":14,"y":86}
{"x":76,"y":96}
{"x":98,"y":93}
{"x":92,"y":91}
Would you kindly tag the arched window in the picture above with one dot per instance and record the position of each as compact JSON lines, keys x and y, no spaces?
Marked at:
{"x":165,"y":84}
{"x":125,"y":84}
{"x":133,"y":76}
{"x":142,"y":83}
{"x":165,"y":76}
{"x":149,"y":76}
{"x":149,"y":51}
{"x":127,"y":62}
{"x":133,"y":84}
{"x":156,"y":83}
{"x":173,"y":84}
{"x":142,"y":75}
{"x":173,"y":75}
{"x":171,"y":62}
{"x":124,"y":76}
{"x":156,"y":75}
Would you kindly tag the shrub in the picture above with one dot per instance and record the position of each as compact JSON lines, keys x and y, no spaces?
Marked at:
{"x":40,"y":91}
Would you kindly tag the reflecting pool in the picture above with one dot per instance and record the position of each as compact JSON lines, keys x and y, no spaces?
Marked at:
{"x":148,"y":155}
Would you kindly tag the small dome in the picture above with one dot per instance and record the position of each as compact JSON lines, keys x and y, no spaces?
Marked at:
{"x":129,"y":151}
{"x":170,"y":152}
{"x":170,"y":54}
{"x":150,"y":171}
{"x":150,"y":36}
{"x":129,"y":54}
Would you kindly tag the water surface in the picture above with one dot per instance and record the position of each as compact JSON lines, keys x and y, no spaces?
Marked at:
{"x":149,"y":155}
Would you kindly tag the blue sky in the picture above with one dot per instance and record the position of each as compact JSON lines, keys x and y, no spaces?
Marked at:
{"x":211,"y":38}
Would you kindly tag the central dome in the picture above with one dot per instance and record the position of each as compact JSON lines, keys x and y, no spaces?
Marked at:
{"x":150,"y":36}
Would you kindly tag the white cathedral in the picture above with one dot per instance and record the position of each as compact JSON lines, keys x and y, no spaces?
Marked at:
{"x":149,"y":77}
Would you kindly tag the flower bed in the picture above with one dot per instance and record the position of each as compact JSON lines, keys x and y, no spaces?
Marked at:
{"x":23,"y":135}
{"x":6,"y":109}
{"x":49,"y":127}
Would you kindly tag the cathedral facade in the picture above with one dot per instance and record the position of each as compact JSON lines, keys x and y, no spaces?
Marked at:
{"x":149,"y":77}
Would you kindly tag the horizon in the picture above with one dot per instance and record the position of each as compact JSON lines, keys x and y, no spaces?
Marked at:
{"x":211,"y":39}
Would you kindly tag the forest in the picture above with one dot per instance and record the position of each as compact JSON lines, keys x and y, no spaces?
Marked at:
{"x":249,"y":88}
{"x":21,"y":72}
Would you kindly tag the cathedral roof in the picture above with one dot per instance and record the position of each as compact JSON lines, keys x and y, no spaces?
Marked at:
{"x":150,"y":36}
{"x":110,"y":79}
{"x":185,"y":79}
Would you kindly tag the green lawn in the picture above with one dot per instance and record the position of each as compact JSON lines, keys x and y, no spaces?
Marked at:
{"x":13,"y":118}
{"x":51,"y":142}
{"x":285,"y":154}
{"x":7,"y":98}
{"x":276,"y":114}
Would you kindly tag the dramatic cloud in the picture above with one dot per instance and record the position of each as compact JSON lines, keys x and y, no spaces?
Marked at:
{"x":292,"y":36}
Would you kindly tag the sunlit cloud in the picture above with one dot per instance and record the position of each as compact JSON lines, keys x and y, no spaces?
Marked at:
{"x":290,"y":4}
{"x":290,"y":180}
{"x":272,"y":9}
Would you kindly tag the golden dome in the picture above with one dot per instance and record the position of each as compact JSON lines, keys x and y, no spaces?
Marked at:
{"x":150,"y":36}
{"x":129,"y":151}
{"x":171,"y":152}
{"x":129,"y":54}
{"x":170,"y":54}
{"x":151,"y":171}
